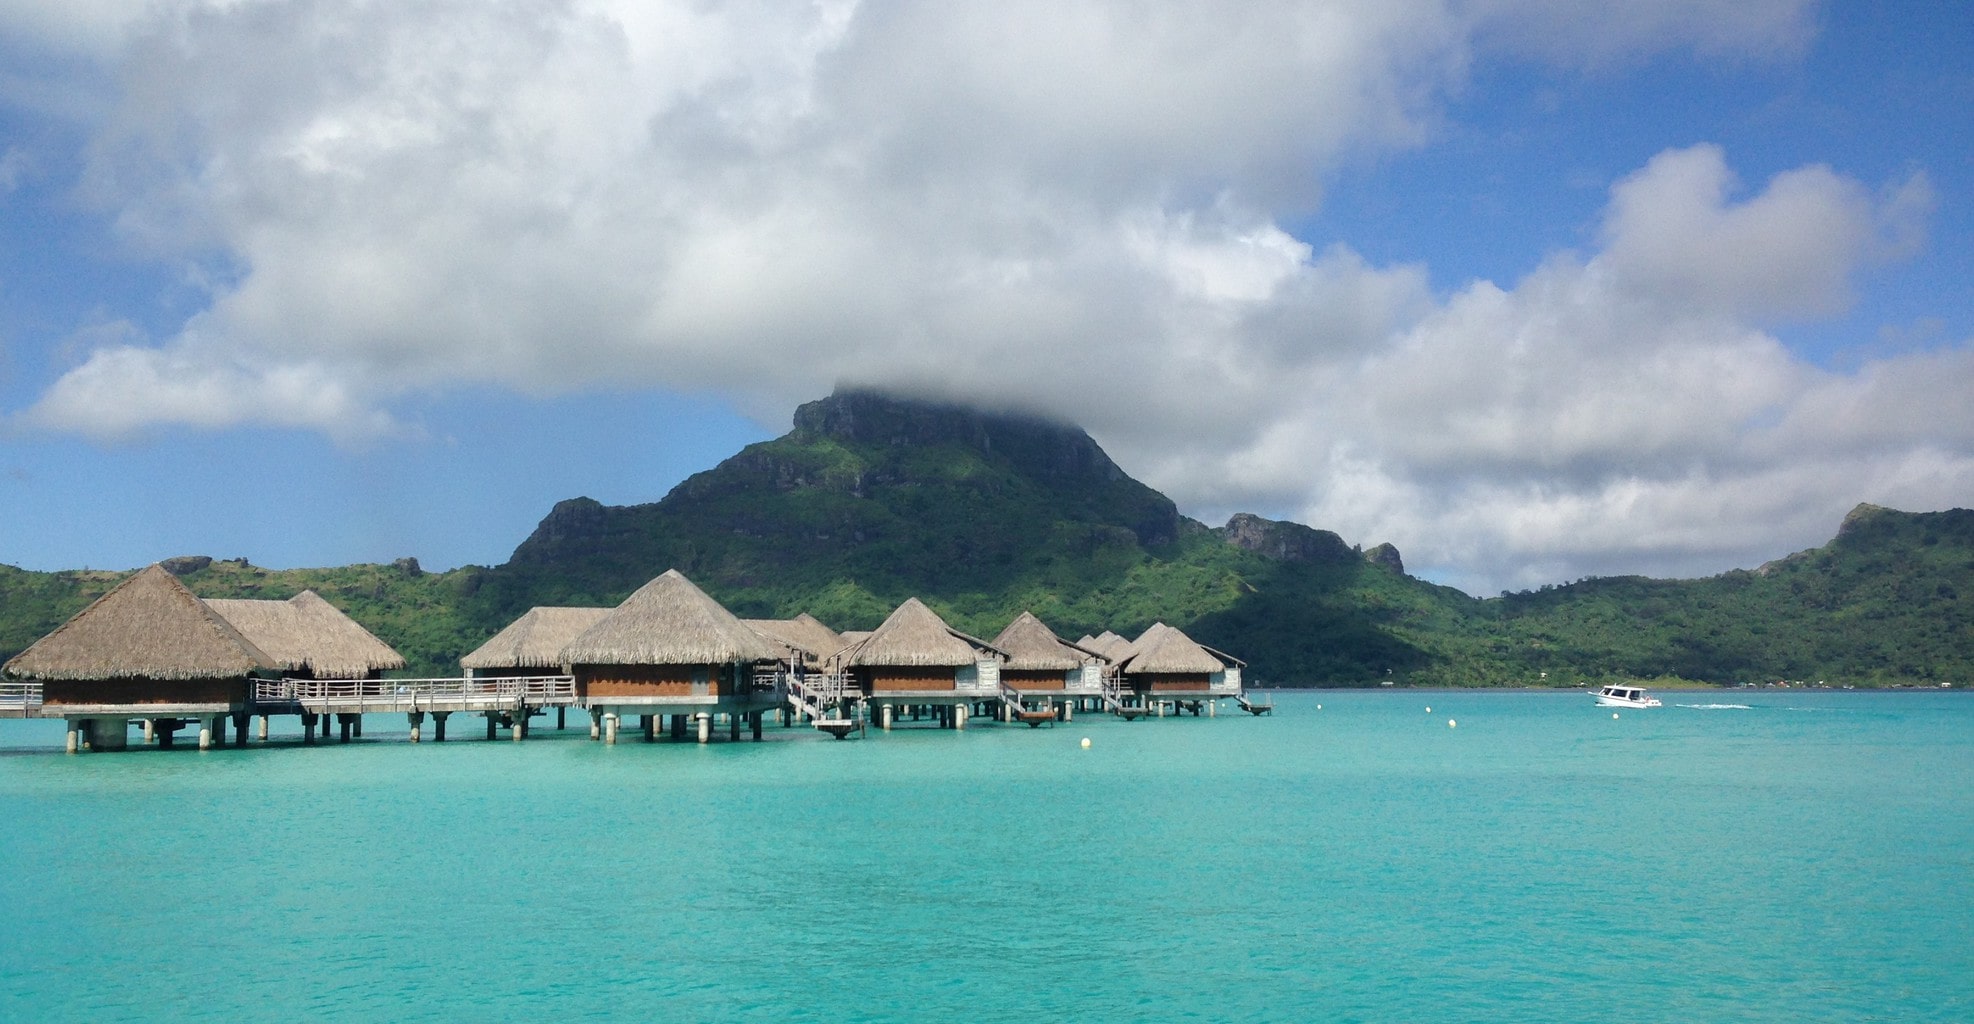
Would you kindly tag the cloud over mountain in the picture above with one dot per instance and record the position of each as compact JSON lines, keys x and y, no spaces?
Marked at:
{"x":1084,"y":208}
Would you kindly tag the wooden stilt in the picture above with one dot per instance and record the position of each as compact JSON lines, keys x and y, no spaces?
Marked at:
{"x":308,"y":729}
{"x":733,"y":727}
{"x":678,"y":727}
{"x":561,"y":718}
{"x":439,"y":726}
{"x":648,"y":724}
{"x":416,"y":719}
{"x":596,"y":725}
{"x":755,"y":720}
{"x":493,"y":723}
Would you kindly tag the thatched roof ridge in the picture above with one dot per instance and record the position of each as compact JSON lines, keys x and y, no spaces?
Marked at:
{"x":1163,"y":649}
{"x":1032,"y":646}
{"x":916,"y":636}
{"x":535,"y":640}
{"x":669,"y":621}
{"x":803,"y":634}
{"x":147,"y":627}
{"x":1110,"y":645}
{"x":307,"y":632}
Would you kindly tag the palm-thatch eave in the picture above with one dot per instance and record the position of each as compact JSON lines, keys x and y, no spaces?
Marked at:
{"x":307,"y":633}
{"x":670,"y":621}
{"x":535,"y":640}
{"x":914,"y":636}
{"x":147,"y":627}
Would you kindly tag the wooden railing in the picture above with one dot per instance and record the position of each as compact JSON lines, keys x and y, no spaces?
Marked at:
{"x":18,"y":697}
{"x":417,"y":694}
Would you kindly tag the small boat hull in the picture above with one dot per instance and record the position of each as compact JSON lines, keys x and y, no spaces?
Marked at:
{"x":1624,"y":697}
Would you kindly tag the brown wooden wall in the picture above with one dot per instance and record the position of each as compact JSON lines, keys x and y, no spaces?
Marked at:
{"x":650,"y":680}
{"x":896,"y":679}
{"x":1199,"y":682}
{"x":1035,"y":679}
{"x":144,"y":691}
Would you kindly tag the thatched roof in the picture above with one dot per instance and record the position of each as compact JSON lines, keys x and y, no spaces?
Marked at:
{"x":307,"y":632}
{"x":535,"y":640}
{"x":1165,"y":650}
{"x":1032,"y":646}
{"x":915,"y":635}
{"x":669,"y":621}
{"x":147,"y":627}
{"x":804,"y":634}
{"x":1110,"y":645}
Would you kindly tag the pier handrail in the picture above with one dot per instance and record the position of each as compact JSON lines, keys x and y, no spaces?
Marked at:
{"x":22,"y":694}
{"x":413,"y":694}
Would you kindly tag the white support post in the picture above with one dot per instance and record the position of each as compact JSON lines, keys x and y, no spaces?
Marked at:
{"x":417,"y":721}
{"x":610,"y":728}
{"x":705,"y":727}
{"x":75,"y":736}
{"x":959,"y":716}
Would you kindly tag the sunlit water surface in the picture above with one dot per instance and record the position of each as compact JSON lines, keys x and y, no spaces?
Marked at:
{"x":1776,"y":856}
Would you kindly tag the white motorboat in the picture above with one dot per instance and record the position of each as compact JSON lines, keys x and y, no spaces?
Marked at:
{"x":1625,"y":697}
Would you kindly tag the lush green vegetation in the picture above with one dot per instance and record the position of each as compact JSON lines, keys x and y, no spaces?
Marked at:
{"x":988,"y":521}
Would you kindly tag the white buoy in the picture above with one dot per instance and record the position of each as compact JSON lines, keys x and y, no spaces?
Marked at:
{"x":1614,"y":714}
{"x":1086,"y":743}
{"x":1450,"y":724}
{"x":1429,"y":709}
{"x":1319,"y":707}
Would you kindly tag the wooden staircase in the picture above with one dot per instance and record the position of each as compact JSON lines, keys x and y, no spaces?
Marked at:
{"x":1018,"y":712}
{"x":820,"y":698}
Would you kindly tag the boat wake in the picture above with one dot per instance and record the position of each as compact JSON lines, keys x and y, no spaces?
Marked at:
{"x":1716,"y":707}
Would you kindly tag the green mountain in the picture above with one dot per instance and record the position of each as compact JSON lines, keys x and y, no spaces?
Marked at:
{"x":872,"y":498}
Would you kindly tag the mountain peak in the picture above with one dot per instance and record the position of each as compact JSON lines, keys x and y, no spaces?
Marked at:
{"x":1035,"y":444}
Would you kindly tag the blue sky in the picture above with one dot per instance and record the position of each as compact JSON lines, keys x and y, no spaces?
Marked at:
{"x":1532,"y":294}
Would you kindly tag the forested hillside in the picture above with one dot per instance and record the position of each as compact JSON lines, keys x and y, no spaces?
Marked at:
{"x":871,"y":499}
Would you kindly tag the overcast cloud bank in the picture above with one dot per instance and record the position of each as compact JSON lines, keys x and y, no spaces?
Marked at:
{"x":1083,"y":209}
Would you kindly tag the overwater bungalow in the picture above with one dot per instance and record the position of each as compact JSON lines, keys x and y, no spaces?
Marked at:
{"x":671,"y":651}
{"x":916,"y":660}
{"x":531,"y":645}
{"x":804,"y":638}
{"x":1165,"y":663}
{"x":1046,"y":669}
{"x":309,"y":639}
{"x":149,"y":651}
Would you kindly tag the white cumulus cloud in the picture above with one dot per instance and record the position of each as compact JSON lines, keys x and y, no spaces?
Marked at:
{"x":1083,"y":208}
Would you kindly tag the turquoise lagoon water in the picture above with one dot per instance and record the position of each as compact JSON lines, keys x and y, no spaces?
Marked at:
{"x":1807,"y":857}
